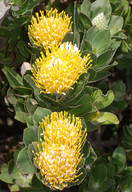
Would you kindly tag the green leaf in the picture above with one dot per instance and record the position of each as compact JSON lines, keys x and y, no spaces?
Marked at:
{"x":85,"y":7}
{"x":11,"y":96}
{"x":14,"y":79}
{"x":116,"y":24}
{"x":18,"y":2}
{"x":73,"y":94}
{"x":31,"y":105}
{"x":117,"y":164}
{"x":104,"y":59}
{"x":85,"y":45}
{"x":101,"y":75}
{"x":92,"y":57}
{"x":101,"y":42}
{"x":50,"y":100}
{"x":83,"y":105}
{"x":100,"y":173}
{"x":24,"y":180}
{"x":24,"y":163}
{"x":30,"y":150}
{"x":96,"y":95}
{"x":19,"y":22}
{"x":90,"y":89}
{"x":84,"y":22}
{"x":104,"y":100}
{"x":29,"y":80}
{"x":91,"y":126}
{"x":39,"y":114}
{"x":107,"y":118}
{"x":92,"y":74}
{"x":36,"y":184}
{"x":14,"y":188}
{"x":127,"y":132}
{"x":21,"y":116}
{"x":27,"y":6}
{"x":120,"y":36}
{"x":126,"y":184}
{"x":91,"y":116}
{"x":41,"y":100}
{"x":23,"y":91}
{"x":5,"y":60}
{"x":100,"y":6}
{"x":20,"y":105}
{"x":91,"y":33}
{"x":22,"y":48}
{"x":91,"y":158}
{"x":4,"y":176}
{"x":30,"y":135}
{"x":103,"y":187}
{"x":13,"y":170}
{"x":86,"y":149}
{"x":68,"y":38}
{"x":110,"y":170}
{"x":29,"y":121}
{"x":75,"y":26}
{"x":4,"y":168}
{"x":119,"y":153}
{"x":4,"y":32}
{"x":119,"y":89}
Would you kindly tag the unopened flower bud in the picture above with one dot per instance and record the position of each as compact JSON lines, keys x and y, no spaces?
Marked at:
{"x":100,"y":21}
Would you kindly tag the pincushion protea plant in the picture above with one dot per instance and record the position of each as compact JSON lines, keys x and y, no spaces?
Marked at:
{"x":50,"y":29}
{"x":60,"y":150}
{"x":60,"y":69}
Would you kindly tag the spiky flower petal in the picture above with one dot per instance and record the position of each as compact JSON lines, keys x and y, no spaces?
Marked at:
{"x":60,"y":151}
{"x":60,"y":69}
{"x":100,"y":21}
{"x":48,"y":30}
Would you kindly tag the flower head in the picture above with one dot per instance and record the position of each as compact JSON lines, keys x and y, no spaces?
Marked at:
{"x":60,"y":69}
{"x":100,"y":21}
{"x":49,"y":29}
{"x":60,"y":151}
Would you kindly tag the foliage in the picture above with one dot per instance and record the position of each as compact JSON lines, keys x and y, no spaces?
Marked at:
{"x":97,"y":29}
{"x":107,"y":174}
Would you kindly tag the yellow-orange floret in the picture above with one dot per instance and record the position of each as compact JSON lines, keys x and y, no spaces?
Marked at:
{"x":48,"y":30}
{"x":60,"y":151}
{"x":57,"y":71}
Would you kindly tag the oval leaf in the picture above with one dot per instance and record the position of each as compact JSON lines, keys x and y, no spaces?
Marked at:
{"x":24,"y":163}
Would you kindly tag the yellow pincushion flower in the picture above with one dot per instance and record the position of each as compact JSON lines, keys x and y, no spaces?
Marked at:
{"x":60,"y":151}
{"x":60,"y":69}
{"x":47,"y":30}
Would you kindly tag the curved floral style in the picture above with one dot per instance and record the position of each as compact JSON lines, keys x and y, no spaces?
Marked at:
{"x":60,"y":69}
{"x":48,"y":30}
{"x":60,"y":151}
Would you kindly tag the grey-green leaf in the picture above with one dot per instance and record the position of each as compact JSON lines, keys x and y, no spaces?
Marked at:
{"x":107,"y":118}
{"x":24,"y":163}
{"x":39,"y":114}
{"x":116,"y":24}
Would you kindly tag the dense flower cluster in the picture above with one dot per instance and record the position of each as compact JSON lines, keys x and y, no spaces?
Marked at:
{"x":60,"y":151}
{"x":100,"y":21}
{"x":47,"y":30}
{"x":59,"y":70}
{"x":55,"y":72}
